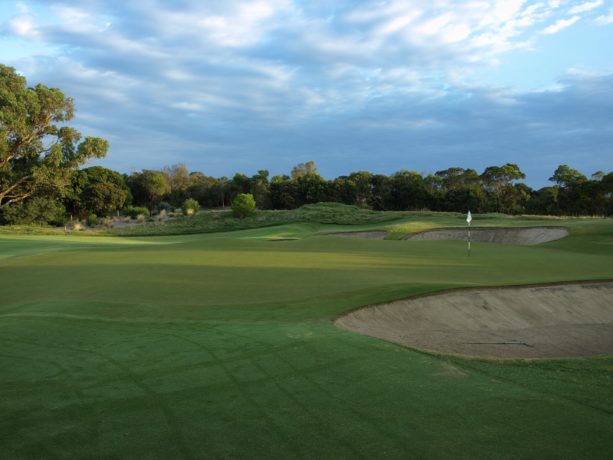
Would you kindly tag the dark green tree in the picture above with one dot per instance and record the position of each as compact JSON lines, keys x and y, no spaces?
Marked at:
{"x":148,"y":187}
{"x":98,"y":190}
{"x":498,"y":183}
{"x":311,"y":188}
{"x":37,"y":210}
{"x":566,"y":176}
{"x":283,"y":193}
{"x":260,"y":189}
{"x":408,"y":191}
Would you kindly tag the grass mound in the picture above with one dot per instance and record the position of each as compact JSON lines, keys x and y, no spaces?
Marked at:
{"x":221,"y":221}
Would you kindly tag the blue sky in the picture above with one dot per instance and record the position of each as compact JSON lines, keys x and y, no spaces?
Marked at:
{"x":353,"y":85}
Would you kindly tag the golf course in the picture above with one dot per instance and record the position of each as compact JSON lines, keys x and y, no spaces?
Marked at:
{"x":161,"y":341}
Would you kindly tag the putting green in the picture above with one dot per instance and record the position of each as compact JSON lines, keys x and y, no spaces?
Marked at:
{"x":223,"y":346}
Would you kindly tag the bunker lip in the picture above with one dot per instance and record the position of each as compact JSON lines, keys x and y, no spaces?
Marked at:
{"x":545,"y":321}
{"x":500,"y":235}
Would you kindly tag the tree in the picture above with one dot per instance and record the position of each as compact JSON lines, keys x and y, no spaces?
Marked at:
{"x":243,"y":205}
{"x":302,"y":169}
{"x":408,"y":191}
{"x":574,"y":197}
{"x":36,"y":154}
{"x":37,"y":210}
{"x":566,"y":176}
{"x":179,"y":180}
{"x":498,"y":182}
{"x":98,"y":190}
{"x":283,"y":192}
{"x":363,"y":188}
{"x":202,"y":189}
{"x":240,"y":184}
{"x":148,"y":187}
{"x":260,"y":188}
{"x":462,"y":190}
{"x":311,"y":188}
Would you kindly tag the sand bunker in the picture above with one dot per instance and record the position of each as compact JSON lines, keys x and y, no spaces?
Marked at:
{"x":532,"y":322}
{"x":504,"y":235}
{"x":374,"y":235}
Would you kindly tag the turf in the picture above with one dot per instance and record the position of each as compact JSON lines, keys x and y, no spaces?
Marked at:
{"x":222,"y":345}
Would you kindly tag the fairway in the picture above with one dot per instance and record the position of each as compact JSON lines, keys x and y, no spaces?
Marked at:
{"x":223,"y":345}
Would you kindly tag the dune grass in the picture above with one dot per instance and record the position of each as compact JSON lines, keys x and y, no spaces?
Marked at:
{"x":222,"y":345}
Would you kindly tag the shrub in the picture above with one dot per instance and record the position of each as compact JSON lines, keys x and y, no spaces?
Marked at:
{"x":165,"y":206}
{"x":37,"y":210}
{"x":140,"y":218}
{"x":190,"y":206}
{"x":243,"y":205}
{"x":92,"y":220}
{"x":134,"y":211}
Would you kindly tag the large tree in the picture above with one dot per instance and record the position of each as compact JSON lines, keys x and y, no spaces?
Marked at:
{"x":148,"y":187}
{"x":37,"y":151}
{"x":498,"y":183}
{"x":98,"y":190}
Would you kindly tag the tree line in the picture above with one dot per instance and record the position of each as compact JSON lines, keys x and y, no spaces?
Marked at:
{"x":40,"y":179}
{"x":103,"y":192}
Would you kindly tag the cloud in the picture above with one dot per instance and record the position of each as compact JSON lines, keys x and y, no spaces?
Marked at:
{"x":605,"y":19}
{"x":587,"y":6}
{"x":561,"y":25}
{"x":237,"y":85}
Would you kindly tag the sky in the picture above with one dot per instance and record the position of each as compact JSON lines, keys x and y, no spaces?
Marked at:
{"x":382,"y":86}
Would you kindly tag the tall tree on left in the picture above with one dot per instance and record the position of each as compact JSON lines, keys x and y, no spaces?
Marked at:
{"x":37,"y":150}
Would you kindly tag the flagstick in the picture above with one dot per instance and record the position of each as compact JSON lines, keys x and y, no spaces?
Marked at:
{"x":469,"y":218}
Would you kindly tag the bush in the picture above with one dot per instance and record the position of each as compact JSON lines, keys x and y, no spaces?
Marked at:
{"x":92,"y":220}
{"x":243,"y":205}
{"x":190,"y":206}
{"x":134,"y":211}
{"x":165,"y":206}
{"x":37,"y":210}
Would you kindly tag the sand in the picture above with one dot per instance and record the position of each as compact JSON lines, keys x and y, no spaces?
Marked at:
{"x":501,"y":235}
{"x":530,"y":322}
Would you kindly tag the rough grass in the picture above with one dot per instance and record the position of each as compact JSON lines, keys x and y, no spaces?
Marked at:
{"x":222,"y":346}
{"x":221,"y":221}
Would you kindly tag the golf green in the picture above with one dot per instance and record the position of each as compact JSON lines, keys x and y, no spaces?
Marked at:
{"x":223,"y":345}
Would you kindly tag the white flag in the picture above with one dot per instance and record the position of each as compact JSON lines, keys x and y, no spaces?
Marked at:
{"x":469,"y":217}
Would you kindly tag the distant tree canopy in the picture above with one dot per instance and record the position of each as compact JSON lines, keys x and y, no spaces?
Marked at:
{"x":38,"y":153}
{"x":101,"y":191}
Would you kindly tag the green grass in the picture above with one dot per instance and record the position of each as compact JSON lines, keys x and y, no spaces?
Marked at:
{"x":219,"y":221}
{"x":221,"y":345}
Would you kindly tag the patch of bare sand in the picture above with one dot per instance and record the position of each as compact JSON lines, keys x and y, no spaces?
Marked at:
{"x":529,"y":322}
{"x":501,"y":235}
